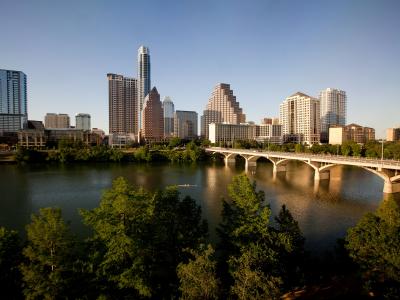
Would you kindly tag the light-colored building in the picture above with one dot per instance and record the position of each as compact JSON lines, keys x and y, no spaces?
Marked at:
{"x":352,"y":132}
{"x":152,"y":129}
{"x":122,"y":101}
{"x":185,"y":124}
{"x":169,"y":110}
{"x":144,"y":79}
{"x":228,"y":133}
{"x":13,"y":101}
{"x":222,"y":107}
{"x":393,"y":134}
{"x":300,"y":119}
{"x":269,"y":133}
{"x":333,"y":110}
{"x":82,"y":121}
{"x":53,"y":121}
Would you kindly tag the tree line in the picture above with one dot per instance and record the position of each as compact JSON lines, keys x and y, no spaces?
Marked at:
{"x":155,"y":245}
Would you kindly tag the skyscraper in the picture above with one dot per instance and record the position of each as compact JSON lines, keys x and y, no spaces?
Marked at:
{"x":152,"y":129}
{"x":185,"y":124}
{"x":122,"y":95}
{"x":82,"y":121}
{"x":300,"y":119}
{"x":13,"y":101}
{"x":221,"y":107}
{"x":333,"y":110}
{"x":52,"y":120}
{"x":144,"y":83}
{"x":169,"y":109}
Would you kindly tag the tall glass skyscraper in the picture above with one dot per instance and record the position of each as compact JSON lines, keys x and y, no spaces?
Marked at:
{"x":169,"y":110}
{"x":333,"y":110}
{"x":143,"y":78}
{"x":13,"y":101}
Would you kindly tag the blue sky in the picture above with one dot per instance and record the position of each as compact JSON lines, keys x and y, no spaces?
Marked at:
{"x":266,"y":50}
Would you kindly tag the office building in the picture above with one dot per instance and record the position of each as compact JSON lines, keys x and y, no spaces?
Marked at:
{"x":185,"y":124}
{"x":300,"y":119}
{"x":269,"y":133}
{"x":351,"y":132}
{"x":168,"y":110}
{"x":52,"y":120}
{"x":333,"y":110}
{"x":393,"y":134}
{"x":152,"y":129}
{"x":82,"y":121}
{"x":222,"y":107}
{"x":144,"y":79}
{"x":122,"y":112}
{"x":13,"y":101}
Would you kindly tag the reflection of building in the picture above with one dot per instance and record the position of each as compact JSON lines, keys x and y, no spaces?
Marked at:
{"x":333,"y":110}
{"x":52,"y":120}
{"x":351,"y":132}
{"x":122,"y":101}
{"x":82,"y":121}
{"x":393,"y":134}
{"x":222,"y":107}
{"x":168,"y":109}
{"x":152,"y":129}
{"x":13,"y":101}
{"x":185,"y":124}
{"x":300,"y":119}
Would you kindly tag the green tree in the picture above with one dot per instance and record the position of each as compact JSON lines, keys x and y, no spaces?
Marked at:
{"x":47,"y":270}
{"x":10,"y":258}
{"x":197,"y":277}
{"x":374,"y":244}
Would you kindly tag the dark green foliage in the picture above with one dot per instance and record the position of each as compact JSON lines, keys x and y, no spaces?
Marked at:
{"x":374,"y":244}
{"x":197,"y":277}
{"x":47,"y":269}
{"x":10,"y":258}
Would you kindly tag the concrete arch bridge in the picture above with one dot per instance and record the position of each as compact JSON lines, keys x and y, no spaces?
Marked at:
{"x":386,"y":169}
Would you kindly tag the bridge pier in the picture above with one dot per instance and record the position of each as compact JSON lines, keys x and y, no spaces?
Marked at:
{"x":279,"y":168}
{"x":391,"y":187}
{"x":324,"y":175}
{"x":229,"y":160}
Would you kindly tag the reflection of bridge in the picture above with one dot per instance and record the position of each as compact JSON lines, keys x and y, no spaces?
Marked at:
{"x":388,"y":170}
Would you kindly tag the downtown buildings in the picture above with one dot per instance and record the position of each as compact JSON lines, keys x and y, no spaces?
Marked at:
{"x":52,"y":120}
{"x":82,"y":121}
{"x":13,"y":101}
{"x":169,"y":110}
{"x":333,"y":110}
{"x":152,"y":127}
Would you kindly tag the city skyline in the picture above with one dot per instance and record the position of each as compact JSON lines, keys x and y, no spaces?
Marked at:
{"x":265,"y":50}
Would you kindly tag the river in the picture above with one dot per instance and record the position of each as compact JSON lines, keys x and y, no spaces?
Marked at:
{"x":324,"y":211}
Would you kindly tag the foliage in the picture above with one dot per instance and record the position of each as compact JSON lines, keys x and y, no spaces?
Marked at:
{"x":47,"y":270}
{"x":374,"y":244}
{"x":198,"y":279}
{"x":10,"y":258}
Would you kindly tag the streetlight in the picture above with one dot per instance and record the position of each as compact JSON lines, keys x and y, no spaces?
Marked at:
{"x":382,"y":141}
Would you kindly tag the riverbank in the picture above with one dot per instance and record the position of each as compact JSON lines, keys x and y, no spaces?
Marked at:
{"x":7,"y":158}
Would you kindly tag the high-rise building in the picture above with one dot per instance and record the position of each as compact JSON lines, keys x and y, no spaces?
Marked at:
{"x":82,"y":121}
{"x":52,"y":120}
{"x":152,"y":129}
{"x":333,"y":110}
{"x":185,"y":124}
{"x":144,"y":82}
{"x":222,"y":107}
{"x":122,"y":113}
{"x":169,"y":110}
{"x":352,"y":132}
{"x":13,"y":101}
{"x":300,"y":119}
{"x":393,"y":134}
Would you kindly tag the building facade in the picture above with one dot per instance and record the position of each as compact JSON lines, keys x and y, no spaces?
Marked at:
{"x":300,"y":119}
{"x":82,"y":121}
{"x":269,"y":133}
{"x":393,"y":134}
{"x":122,"y":112}
{"x":222,"y":107}
{"x":352,"y":132}
{"x":152,"y":129}
{"x":13,"y":101}
{"x":185,"y":124}
{"x":144,"y":78}
{"x":333,"y":110}
{"x":168,"y":110}
{"x":52,"y":120}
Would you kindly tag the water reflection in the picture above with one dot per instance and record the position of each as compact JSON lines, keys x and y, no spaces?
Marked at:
{"x":324,"y":210}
